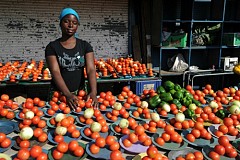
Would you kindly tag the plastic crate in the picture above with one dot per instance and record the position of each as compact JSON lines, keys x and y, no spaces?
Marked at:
{"x":139,"y":86}
{"x":176,"y":40}
{"x":231,"y":39}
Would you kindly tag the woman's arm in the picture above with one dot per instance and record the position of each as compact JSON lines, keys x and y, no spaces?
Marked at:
{"x":91,"y":74}
{"x":57,"y":77}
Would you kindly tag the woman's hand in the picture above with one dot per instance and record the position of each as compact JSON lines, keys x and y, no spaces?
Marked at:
{"x":94,"y":100}
{"x":72,"y":101}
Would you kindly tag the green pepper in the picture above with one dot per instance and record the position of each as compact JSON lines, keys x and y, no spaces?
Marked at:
{"x":177,"y":103}
{"x":168,"y":85}
{"x":186,"y":101}
{"x":154,"y":101}
{"x":177,"y":87}
{"x":172,"y":91}
{"x":166,"y":97}
{"x":222,"y":113}
{"x":189,"y":95}
{"x":178,"y":95}
{"x":160,"y":90}
{"x":189,"y":113}
{"x":196,"y":102}
{"x":162,"y":103}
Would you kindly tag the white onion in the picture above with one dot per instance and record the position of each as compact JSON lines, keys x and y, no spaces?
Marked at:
{"x":155,"y":117}
{"x":236,"y":102}
{"x":234,"y":109}
{"x":123,"y":123}
{"x":26,"y":133}
{"x":117,"y":106}
{"x":29,"y":115}
{"x":180,"y":117}
{"x":213,"y":104}
{"x":88,"y":113}
{"x":95,"y":127}
{"x":144,"y":104}
{"x":166,"y":107}
{"x":61,"y":130}
{"x":192,"y":106}
{"x":59,"y":117}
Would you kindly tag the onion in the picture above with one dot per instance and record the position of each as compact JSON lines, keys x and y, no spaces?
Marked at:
{"x":123,"y":123}
{"x":59,"y":117}
{"x":166,"y":107}
{"x":26,"y":133}
{"x":213,"y":104}
{"x":236,"y":102}
{"x":234,"y":109}
{"x":144,"y":104}
{"x":61,"y":130}
{"x":180,"y":117}
{"x":192,"y":106}
{"x":155,"y":117}
{"x":117,"y":106}
{"x":29,"y":115}
{"x":95,"y":127}
{"x":88,"y":113}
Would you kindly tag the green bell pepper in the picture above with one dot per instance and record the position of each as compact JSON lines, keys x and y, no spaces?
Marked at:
{"x":222,"y":113}
{"x":168,"y":85}
{"x":154,"y":101}
{"x":177,"y":103}
{"x":162,"y":103}
{"x":178,"y":95}
{"x":186,"y":101}
{"x":196,"y":102}
{"x":160,"y":90}
{"x":177,"y":87}
{"x":189,"y":113}
{"x":166,"y":97}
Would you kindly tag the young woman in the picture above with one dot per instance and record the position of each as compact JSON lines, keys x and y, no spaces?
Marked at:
{"x":66,"y":58}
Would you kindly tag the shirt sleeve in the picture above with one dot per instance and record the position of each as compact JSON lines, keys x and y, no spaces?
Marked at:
{"x":49,"y":50}
{"x":88,"y":47}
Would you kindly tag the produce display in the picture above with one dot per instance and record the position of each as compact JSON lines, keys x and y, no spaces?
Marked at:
{"x":170,"y":122}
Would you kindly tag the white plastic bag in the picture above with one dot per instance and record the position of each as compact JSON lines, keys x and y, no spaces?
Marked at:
{"x":177,"y":63}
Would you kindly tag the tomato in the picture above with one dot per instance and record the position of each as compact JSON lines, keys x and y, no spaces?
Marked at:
{"x":35,"y":151}
{"x":232,"y":154}
{"x":169,"y":129}
{"x":190,"y":156}
{"x":185,"y":124}
{"x":165,"y":137}
{"x":41,"y":123}
{"x":87,"y":131}
{"x":62,"y":147}
{"x":100,"y":142}
{"x":110,"y":140}
{"x":57,"y":154}
{"x":29,"y":105}
{"x":95,"y":135}
{"x":114,"y":146}
{"x":190,"y":137}
{"x":43,"y":137}
{"x":2,"y":136}
{"x":115,"y":154}
{"x":71,"y":128}
{"x":75,"y":133}
{"x":79,"y":151}
{"x":223,"y":140}
{"x":178,"y":125}
{"x":72,"y":145}
{"x":133,"y":138}
{"x":42,"y":156}
{"x":227,"y":121}
{"x":94,"y":149}
{"x":198,"y":125}
{"x":214,"y":156}
{"x":35,"y":119}
{"x":24,"y":144}
{"x":36,"y":100}
{"x":4,"y":97}
{"x":58,"y":138}
{"x":189,"y":87}
{"x":6,"y":143}
{"x":81,"y":93}
{"x":196,"y":133}
{"x":23,"y":154}
{"x":139,"y":130}
{"x":198,"y":155}
{"x":104,"y":129}
{"x":223,"y":129}
{"x":160,"y":141}
{"x":219,"y":149}
{"x":147,"y":142}
{"x":152,"y":151}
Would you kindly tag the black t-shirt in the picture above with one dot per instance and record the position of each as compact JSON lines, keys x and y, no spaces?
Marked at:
{"x":71,"y":62}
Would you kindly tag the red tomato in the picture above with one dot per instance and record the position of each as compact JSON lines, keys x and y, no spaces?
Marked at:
{"x":6,"y":143}
{"x":152,"y":151}
{"x":110,"y":140}
{"x":2,"y":137}
{"x":72,"y":145}
{"x":57,"y":154}
{"x":116,"y":154}
{"x":115,"y":146}
{"x":232,"y":154}
{"x":100,"y":142}
{"x":228,"y":121}
{"x":23,"y":154}
{"x":24,"y":144}
{"x":223,"y":140}
{"x":94,"y":149}
{"x":62,"y":147}
{"x":42,"y":156}
{"x":35,"y":151}
{"x":79,"y":151}
{"x":214,"y":156}
{"x":219,"y":149}
{"x":58,"y":138}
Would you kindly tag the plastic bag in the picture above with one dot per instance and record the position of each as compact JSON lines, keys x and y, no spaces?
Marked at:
{"x":177,"y":63}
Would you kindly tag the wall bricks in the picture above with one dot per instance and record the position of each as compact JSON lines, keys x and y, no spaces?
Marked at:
{"x":27,"y":26}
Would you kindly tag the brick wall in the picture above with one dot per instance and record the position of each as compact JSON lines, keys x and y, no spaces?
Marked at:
{"x":27,"y":26}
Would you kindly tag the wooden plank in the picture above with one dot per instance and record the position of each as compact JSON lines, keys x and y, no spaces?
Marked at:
{"x":136,"y":44}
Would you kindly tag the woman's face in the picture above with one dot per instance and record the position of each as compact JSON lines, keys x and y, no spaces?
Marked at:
{"x":69,"y":25}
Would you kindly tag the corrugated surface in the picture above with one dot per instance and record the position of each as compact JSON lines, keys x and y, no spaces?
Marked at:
{"x":27,"y":26}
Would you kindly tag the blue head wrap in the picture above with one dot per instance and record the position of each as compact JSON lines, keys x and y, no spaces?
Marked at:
{"x":67,"y":11}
